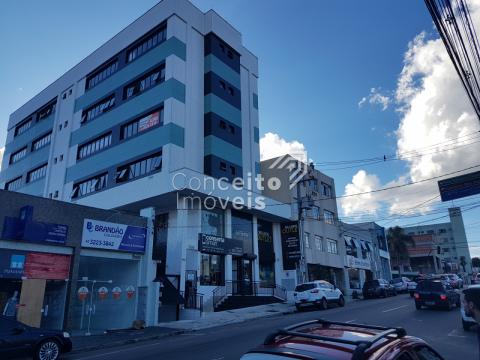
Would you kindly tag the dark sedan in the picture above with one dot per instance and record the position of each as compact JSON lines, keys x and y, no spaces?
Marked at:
{"x":20,"y":340}
{"x":436,"y":293}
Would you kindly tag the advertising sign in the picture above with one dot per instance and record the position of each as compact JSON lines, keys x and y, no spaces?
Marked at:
{"x":459,"y":186}
{"x":213,"y":244}
{"x":130,"y":292}
{"x":112,"y":236}
{"x":102,"y":293}
{"x":82,"y":293}
{"x":290,"y":245}
{"x":32,"y":231}
{"x":148,"y":121}
{"x":116,"y":292}
{"x":424,"y":246}
{"x":357,"y":263}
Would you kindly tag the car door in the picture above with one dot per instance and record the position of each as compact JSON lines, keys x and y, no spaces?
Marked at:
{"x":13,"y":341}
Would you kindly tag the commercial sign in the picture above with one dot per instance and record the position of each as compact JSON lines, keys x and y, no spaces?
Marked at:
{"x":16,"y":264}
{"x":112,"y":236}
{"x":357,"y":263}
{"x":424,"y":246}
{"x":459,"y":186}
{"x":148,"y":121}
{"x":220,"y":245}
{"x":33,"y":231}
{"x":290,"y":245}
{"x":82,"y":293}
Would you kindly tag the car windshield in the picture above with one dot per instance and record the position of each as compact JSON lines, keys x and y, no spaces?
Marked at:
{"x":304,"y":287}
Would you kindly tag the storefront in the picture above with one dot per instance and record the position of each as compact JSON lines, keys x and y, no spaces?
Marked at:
{"x":358,"y":270}
{"x":266,"y":253}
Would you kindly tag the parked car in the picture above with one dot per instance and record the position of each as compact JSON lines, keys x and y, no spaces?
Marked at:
{"x":20,"y":340}
{"x":400,"y":284}
{"x":321,"y":339}
{"x":318,"y":293}
{"x":455,"y":281}
{"x":378,"y":288}
{"x":444,"y":278}
{"x":476,"y":278}
{"x":467,"y":321}
{"x":435,"y":293}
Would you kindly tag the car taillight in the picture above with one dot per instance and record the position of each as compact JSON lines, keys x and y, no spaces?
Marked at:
{"x":443,"y":297}
{"x":417,"y":296}
{"x":314,"y":291}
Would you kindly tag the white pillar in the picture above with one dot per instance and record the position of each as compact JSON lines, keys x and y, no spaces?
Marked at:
{"x":148,"y":271}
{"x":228,"y":234}
{"x":256,"y":262}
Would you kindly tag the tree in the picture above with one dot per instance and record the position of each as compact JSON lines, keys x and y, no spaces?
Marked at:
{"x":398,"y":244}
{"x":476,"y":262}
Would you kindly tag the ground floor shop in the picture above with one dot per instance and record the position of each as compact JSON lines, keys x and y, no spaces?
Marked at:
{"x":333,"y":275}
{"x":357,"y":272}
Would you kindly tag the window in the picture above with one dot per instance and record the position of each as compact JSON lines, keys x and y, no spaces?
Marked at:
{"x":89,"y":186}
{"x":98,"y":109}
{"x":56,"y":194}
{"x":231,"y":128}
{"x":42,"y":142}
{"x":211,"y":270}
{"x":312,"y":184}
{"x":223,"y":125}
{"x":94,"y":146}
{"x":230,"y":90}
{"x":306,"y":237}
{"x":147,"y":43}
{"x":144,"y":123}
{"x":223,"y":86}
{"x":332,"y":246}
{"x":442,"y":231}
{"x":319,"y":243}
{"x":14,"y":184}
{"x":139,"y":168}
{"x":326,"y":190}
{"x":213,"y":222}
{"x":37,"y":173}
{"x":313,"y":212}
{"x":23,"y":126}
{"x":223,"y":166}
{"x":144,"y":83}
{"x":101,"y":74}
{"x":233,"y":171}
{"x":18,"y":155}
{"x":425,"y":353}
{"x":329,"y":217}
{"x":46,"y":111}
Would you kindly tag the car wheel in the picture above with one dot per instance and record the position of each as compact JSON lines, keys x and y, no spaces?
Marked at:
{"x":465,"y":325}
{"x":299,"y":308}
{"x":47,"y":350}
{"x":323,"y":304}
{"x":341,"y":301}
{"x":411,"y":294}
{"x":394,"y":292}
{"x":383,"y":294}
{"x":418,"y":306}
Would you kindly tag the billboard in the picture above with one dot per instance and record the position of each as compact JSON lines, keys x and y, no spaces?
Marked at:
{"x":112,"y":236}
{"x":424,"y":246}
{"x":290,"y":245}
{"x":459,"y":186}
{"x":34,"y":231}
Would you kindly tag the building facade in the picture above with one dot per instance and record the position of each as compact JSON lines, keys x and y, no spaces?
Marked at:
{"x":445,"y":243}
{"x":161,"y":121}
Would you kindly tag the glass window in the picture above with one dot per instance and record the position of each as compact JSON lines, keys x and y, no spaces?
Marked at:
{"x":332,"y":246}
{"x":37,"y":173}
{"x":306,"y":237}
{"x":42,"y":142}
{"x":329,"y":217}
{"x":211,"y":270}
{"x":144,"y":123}
{"x":326,"y":190}
{"x":242,"y":229}
{"x":213,"y":222}
{"x":46,"y":111}
{"x":91,"y":185}
{"x":94,"y":146}
{"x":23,"y":126}
{"x":133,"y":170}
{"x":98,"y":109}
{"x":14,"y":184}
{"x":146,"y":82}
{"x":18,"y":155}
{"x":101,"y":74}
{"x":424,"y":353}
{"x":319,"y":243}
{"x":147,"y":43}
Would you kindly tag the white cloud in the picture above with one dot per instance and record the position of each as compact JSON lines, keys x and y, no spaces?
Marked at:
{"x":433,"y":109}
{"x":375,"y":98}
{"x":272,"y":145}
{"x":2,"y":150}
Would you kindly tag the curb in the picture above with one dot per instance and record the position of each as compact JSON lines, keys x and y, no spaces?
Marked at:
{"x":128,"y":341}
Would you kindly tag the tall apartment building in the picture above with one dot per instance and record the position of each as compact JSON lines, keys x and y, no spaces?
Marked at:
{"x":448,"y":237}
{"x":163,"y":114}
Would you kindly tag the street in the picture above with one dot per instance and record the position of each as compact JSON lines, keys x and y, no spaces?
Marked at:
{"x":442,"y":329}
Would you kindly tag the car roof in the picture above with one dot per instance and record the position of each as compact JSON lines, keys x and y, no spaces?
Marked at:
{"x":321,"y":339}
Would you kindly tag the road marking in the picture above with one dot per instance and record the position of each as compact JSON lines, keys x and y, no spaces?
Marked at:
{"x":393,"y":309}
{"x":453,"y":334}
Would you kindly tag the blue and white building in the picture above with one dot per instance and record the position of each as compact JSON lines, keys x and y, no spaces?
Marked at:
{"x":163,"y":114}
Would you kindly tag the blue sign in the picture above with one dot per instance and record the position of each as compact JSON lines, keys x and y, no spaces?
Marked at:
{"x":112,"y":236}
{"x":12,"y":263}
{"x":32,"y":231}
{"x":459,"y":186}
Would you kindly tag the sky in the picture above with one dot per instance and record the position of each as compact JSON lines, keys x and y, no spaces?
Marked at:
{"x":341,"y":80}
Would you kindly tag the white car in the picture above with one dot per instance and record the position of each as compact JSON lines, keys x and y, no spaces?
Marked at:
{"x":467,"y":321}
{"x":318,"y":293}
{"x":411,"y":287}
{"x":400,"y":284}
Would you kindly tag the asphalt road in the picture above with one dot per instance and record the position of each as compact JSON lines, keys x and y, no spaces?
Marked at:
{"x":442,"y":329}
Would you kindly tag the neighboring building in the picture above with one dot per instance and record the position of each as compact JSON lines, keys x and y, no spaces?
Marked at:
{"x":445,"y":244}
{"x":367,"y":249}
{"x":324,"y":252}
{"x":159,"y":121}
{"x":50,"y":261}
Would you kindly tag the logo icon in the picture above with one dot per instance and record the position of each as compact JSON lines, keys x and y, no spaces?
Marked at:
{"x":89,"y":226}
{"x":296,"y":165}
{"x":17,"y":261}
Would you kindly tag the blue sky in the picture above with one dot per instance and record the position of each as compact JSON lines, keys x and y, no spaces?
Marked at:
{"x":317,"y":61}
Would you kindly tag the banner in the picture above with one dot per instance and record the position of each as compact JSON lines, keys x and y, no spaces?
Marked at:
{"x":220,"y":245}
{"x":112,"y":236}
{"x":290,"y":245}
{"x":33,"y":231}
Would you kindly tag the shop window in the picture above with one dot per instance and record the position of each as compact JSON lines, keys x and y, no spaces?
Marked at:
{"x":242,"y":229}
{"x":213,"y":222}
{"x":211,"y":270}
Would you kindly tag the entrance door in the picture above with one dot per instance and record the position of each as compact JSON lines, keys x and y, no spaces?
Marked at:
{"x":243,"y":283}
{"x":54,"y":304}
{"x":31,"y":301}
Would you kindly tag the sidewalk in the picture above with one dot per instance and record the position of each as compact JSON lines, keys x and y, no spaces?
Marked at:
{"x":208,"y":320}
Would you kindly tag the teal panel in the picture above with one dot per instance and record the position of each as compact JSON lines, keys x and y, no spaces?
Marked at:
{"x":155,"y":96}
{"x":168,"y":134}
{"x":28,"y":163}
{"x":35,"y":188}
{"x":212,"y":63}
{"x":172,"y":46}
{"x":255,"y":101}
{"x":35,"y":131}
{"x":213,"y":103}
{"x":256,"y":134}
{"x":222,"y":149}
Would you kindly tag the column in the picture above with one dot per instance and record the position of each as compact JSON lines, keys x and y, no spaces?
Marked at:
{"x":228,"y":234}
{"x":256,"y":262}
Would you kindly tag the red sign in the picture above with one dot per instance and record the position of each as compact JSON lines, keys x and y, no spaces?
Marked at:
{"x":130,"y":292}
{"x":424,"y":246}
{"x":82,"y":293}
{"x":102,"y":292}
{"x":148,"y":121}
{"x":47,"y":266}
{"x":116,"y":292}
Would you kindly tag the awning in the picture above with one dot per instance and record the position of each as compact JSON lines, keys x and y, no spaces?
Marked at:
{"x":362,"y":244}
{"x":349,"y":241}
{"x":369,"y":248}
{"x":357,"y":243}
